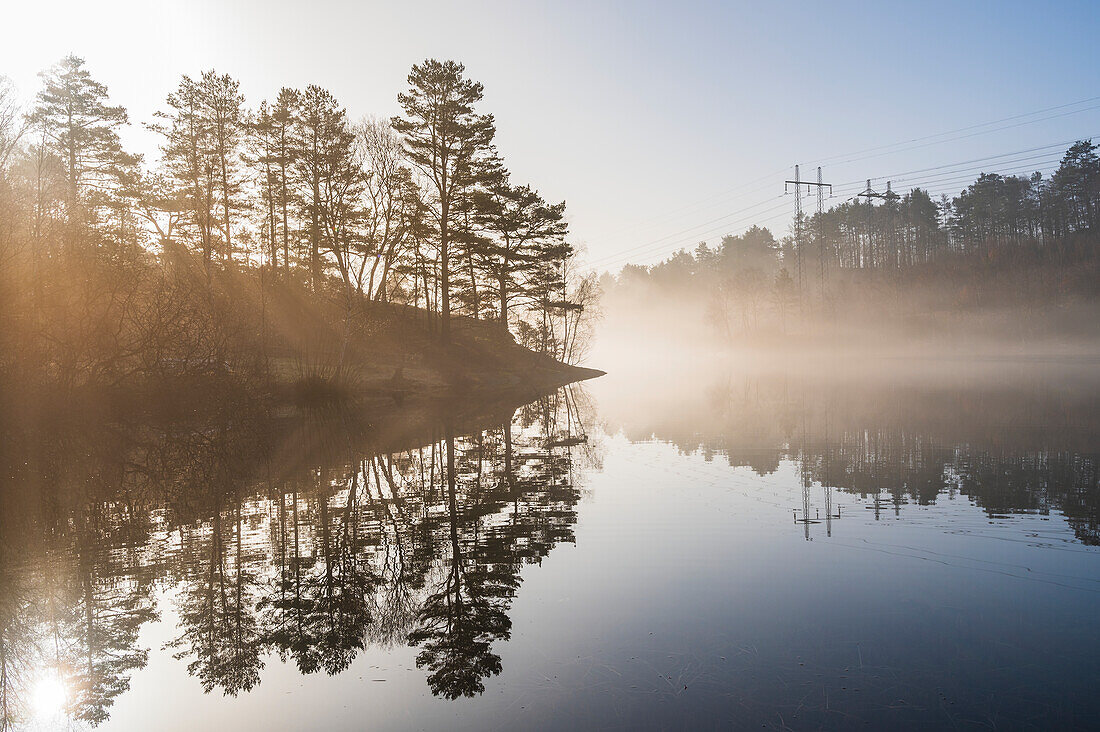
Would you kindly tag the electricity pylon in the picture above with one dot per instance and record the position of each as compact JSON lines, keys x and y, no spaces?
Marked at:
{"x":798,"y":183}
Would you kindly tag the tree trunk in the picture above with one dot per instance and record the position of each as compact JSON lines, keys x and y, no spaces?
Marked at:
{"x":444,"y":271}
{"x":314,"y":235}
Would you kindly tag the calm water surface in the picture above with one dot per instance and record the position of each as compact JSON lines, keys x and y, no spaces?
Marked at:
{"x":706,"y":550}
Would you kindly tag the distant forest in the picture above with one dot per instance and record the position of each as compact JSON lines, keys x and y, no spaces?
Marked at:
{"x":113,"y":265}
{"x":1018,"y":246}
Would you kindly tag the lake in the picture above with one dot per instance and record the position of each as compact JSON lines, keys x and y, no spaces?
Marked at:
{"x":861,"y":545}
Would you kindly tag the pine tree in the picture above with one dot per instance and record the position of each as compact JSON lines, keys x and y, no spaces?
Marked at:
{"x":331,"y":183}
{"x":524,"y":229}
{"x":223,"y":108}
{"x":188,"y":160}
{"x":82,"y":129}
{"x":445,"y":138}
{"x":282,"y":120}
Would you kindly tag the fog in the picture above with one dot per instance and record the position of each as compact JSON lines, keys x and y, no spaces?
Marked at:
{"x":913,"y":326}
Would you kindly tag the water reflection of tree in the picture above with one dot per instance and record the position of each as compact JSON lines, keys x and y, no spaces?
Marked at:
{"x":467,"y":611}
{"x":104,"y":607}
{"x":72,"y":521}
{"x":319,"y":610}
{"x":268,"y":547}
{"x":1015,"y":450}
{"x":510,"y":497}
{"x":218,"y":630}
{"x":19,"y":632}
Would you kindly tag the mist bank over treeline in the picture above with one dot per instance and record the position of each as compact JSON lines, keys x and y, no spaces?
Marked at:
{"x":279,"y":242}
{"x":1011,"y":263}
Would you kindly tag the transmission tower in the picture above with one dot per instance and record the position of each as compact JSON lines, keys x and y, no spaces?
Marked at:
{"x":889,"y":196}
{"x":821,"y":236}
{"x":798,"y":183}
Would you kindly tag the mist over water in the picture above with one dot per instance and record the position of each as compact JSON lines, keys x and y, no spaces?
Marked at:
{"x":732,"y":539}
{"x":320,"y":409}
{"x":947,"y":514}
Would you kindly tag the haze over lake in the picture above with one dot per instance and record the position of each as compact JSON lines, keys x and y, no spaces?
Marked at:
{"x":549,"y":366}
{"x":708,"y":547}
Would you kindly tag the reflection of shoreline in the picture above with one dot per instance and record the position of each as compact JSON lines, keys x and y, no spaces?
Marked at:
{"x":304,"y":538}
{"x":1013,"y":440}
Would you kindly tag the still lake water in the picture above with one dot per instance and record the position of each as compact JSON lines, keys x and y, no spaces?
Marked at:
{"x":719,"y":549}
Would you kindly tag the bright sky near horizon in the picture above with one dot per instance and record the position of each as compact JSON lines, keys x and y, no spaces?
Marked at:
{"x":660,"y":124}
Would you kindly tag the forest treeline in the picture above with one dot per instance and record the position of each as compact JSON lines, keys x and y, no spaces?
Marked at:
{"x":1023,"y":247}
{"x":112,"y":264}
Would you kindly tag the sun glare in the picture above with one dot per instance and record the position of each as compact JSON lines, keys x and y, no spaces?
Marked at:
{"x":49,"y":697}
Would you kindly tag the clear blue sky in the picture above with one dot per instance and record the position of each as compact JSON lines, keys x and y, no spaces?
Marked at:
{"x":656,"y":122}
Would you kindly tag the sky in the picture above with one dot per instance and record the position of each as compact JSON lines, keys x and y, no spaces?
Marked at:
{"x":660,"y":124}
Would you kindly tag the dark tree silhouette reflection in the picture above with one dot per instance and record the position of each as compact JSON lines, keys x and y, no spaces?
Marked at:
{"x":303,"y":539}
{"x":1011,"y":448}
{"x":219,"y":632}
{"x":464,"y":615}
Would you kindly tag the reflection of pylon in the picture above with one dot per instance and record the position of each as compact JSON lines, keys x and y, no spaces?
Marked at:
{"x":877,"y":504}
{"x":829,"y":511}
{"x":803,"y":478}
{"x":806,"y":519}
{"x":827,"y":490}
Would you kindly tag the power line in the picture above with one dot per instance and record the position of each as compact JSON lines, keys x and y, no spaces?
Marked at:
{"x":950,"y":172}
{"x":748,"y":222}
{"x":963,"y":137}
{"x":660,"y":242}
{"x":952,"y":185}
{"x":972,"y":127}
{"x":1038,"y":160}
{"x":728,"y":230}
{"x":886,"y":149}
{"x":895,"y":176}
{"x":969,"y":176}
{"x":708,"y":202}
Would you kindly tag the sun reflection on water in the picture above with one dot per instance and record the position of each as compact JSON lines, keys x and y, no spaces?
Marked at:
{"x":49,"y":697}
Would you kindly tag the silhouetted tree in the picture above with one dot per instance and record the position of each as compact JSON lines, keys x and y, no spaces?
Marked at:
{"x":446,"y":139}
{"x":82,"y":129}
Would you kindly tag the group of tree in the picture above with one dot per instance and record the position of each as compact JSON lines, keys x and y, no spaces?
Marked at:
{"x":997,"y":233}
{"x":994,"y":212}
{"x":417,"y":210}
